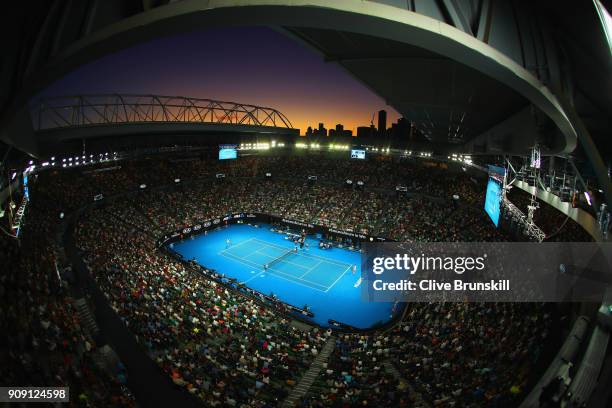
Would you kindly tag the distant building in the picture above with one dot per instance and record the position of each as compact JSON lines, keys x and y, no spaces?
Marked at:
{"x":401,"y":129}
{"x":366,"y":131}
{"x":339,"y":131}
{"x":382,"y":122}
{"x":320,"y":131}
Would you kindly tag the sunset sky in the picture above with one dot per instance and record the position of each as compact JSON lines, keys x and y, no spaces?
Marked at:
{"x":251,"y":65}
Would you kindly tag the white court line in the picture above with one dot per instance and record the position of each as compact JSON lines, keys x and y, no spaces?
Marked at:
{"x":288,"y":262}
{"x":261,"y":253}
{"x":244,"y":261}
{"x":311,"y":269}
{"x":236,"y":246}
{"x":309,"y":281}
{"x":294,"y":278}
{"x":282,"y":260}
{"x":253,"y":277}
{"x":298,"y":283}
{"x":295,"y":264}
{"x":308,"y":270}
{"x":340,"y":277}
{"x":331,"y":261}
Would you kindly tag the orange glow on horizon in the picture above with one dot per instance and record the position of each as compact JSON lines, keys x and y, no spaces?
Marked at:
{"x":351,"y":117}
{"x":274,"y":72}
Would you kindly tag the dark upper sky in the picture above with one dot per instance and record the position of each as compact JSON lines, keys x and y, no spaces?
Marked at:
{"x":251,"y":65}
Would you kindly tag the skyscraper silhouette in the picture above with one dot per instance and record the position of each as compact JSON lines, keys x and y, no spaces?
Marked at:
{"x":382,"y":122}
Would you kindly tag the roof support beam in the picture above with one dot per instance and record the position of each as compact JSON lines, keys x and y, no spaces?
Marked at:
{"x":367,"y":18}
{"x":484,"y":21}
{"x":458,"y":18}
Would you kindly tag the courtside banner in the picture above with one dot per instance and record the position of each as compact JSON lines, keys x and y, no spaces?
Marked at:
{"x":485,"y":272}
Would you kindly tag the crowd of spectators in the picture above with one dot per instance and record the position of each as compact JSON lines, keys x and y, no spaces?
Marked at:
{"x":327,"y":201}
{"x":44,"y":343}
{"x":356,"y":374}
{"x":229,"y":350}
{"x":223,"y":348}
{"x":442,"y":354}
{"x":466,"y":354}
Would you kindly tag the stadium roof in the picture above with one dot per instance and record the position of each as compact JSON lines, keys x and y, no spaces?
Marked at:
{"x":474,"y":76}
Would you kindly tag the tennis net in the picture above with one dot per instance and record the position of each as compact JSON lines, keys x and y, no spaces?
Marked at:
{"x":280,"y":258}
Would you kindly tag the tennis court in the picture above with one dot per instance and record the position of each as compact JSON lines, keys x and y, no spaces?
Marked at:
{"x":322,"y":279}
{"x":299,"y":267}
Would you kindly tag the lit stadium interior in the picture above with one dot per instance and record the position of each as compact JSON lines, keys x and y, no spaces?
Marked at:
{"x":279,"y":203}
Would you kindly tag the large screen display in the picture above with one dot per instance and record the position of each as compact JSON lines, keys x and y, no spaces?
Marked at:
{"x":498,"y":173}
{"x":228,"y":152}
{"x":26,"y":191}
{"x":358,"y":154}
{"x":493,"y":200}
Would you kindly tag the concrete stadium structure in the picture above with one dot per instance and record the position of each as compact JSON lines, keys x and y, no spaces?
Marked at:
{"x":475,"y":77}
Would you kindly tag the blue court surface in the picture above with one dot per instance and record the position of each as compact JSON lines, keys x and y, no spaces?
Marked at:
{"x":266,"y":261}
